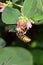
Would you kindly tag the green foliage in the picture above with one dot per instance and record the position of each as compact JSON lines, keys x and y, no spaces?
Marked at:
{"x":38,"y":15}
{"x":2,"y":43}
{"x":39,"y":12}
{"x":14,"y":1}
{"x":10,"y":15}
{"x":17,"y":55}
{"x":38,"y":56}
{"x":40,"y":4}
{"x":29,"y":7}
{"x":12,"y":28}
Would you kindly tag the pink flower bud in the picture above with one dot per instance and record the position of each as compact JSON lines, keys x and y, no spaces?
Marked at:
{"x":1,"y":10}
{"x":28,"y":24}
{"x":18,"y":23}
{"x":0,"y":3}
{"x":17,"y":28}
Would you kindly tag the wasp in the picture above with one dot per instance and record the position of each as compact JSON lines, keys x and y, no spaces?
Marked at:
{"x":21,"y":35}
{"x":24,"y":38}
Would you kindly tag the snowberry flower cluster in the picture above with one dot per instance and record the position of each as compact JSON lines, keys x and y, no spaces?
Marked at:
{"x":27,"y":24}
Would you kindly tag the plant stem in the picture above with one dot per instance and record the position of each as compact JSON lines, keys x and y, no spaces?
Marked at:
{"x":18,"y":5}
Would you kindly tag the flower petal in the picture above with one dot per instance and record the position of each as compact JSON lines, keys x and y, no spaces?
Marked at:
{"x":28,"y":24}
{"x":1,"y":10}
{"x":18,"y":29}
{"x":18,"y":23}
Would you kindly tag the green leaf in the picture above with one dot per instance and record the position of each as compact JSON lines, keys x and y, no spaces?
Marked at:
{"x":14,"y":1}
{"x":38,"y":22}
{"x":10,"y":15}
{"x":15,"y":56}
{"x":40,"y":4}
{"x":29,"y":7}
{"x":2,"y":43}
{"x":38,"y":56}
{"x":41,"y":21}
{"x":38,"y":15}
{"x":12,"y":28}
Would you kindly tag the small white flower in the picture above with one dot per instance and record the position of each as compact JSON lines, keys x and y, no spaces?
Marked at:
{"x":28,"y":24}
